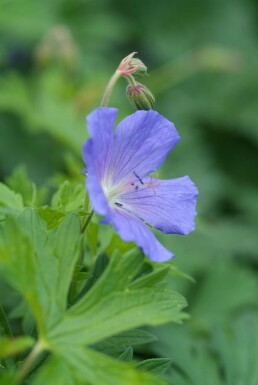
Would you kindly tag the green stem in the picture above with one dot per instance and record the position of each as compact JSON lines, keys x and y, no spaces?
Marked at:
{"x":28,"y":363}
{"x":109,"y":88}
{"x":131,"y":80}
{"x":87,"y":221}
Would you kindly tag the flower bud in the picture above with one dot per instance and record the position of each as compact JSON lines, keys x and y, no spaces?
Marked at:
{"x":140,"y":96}
{"x":130,"y":65}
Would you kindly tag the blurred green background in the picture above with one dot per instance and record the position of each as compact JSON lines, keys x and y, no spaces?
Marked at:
{"x":55,"y":60}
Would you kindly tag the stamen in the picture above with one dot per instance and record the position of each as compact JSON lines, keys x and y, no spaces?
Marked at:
{"x":118,"y":204}
{"x":151,"y":185}
{"x":137,"y":176}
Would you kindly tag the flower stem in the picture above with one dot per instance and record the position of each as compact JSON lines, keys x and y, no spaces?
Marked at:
{"x":87,"y":221}
{"x":28,"y":363}
{"x":109,"y":88}
{"x":131,"y":80}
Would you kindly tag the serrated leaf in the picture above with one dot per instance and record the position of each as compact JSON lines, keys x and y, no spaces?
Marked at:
{"x":131,"y":337}
{"x":65,"y":243}
{"x":119,"y":272}
{"x":9,"y":199}
{"x":40,"y":264}
{"x":18,"y":263}
{"x":98,"y":269}
{"x":117,"y":312}
{"x":117,"y":244}
{"x":110,"y":307}
{"x":58,"y":371}
{"x":19,"y":182}
{"x":150,"y":280}
{"x":16,"y":345}
{"x":69,"y":197}
{"x":155,"y":365}
{"x":96,"y":368}
{"x":127,"y":354}
{"x":52,"y":217}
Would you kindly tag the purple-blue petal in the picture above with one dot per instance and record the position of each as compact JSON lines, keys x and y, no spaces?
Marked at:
{"x":97,"y":197}
{"x":132,"y":229}
{"x":167,"y":205}
{"x":142,"y":142}
{"x":100,"y":125}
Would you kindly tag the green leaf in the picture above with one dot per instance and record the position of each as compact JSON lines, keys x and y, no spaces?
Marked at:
{"x":117,"y":244}
{"x":110,"y":307}
{"x":131,"y":337}
{"x":57,"y":370}
{"x":13,"y":346}
{"x":39,"y":264}
{"x":120,"y":271}
{"x":65,"y":243}
{"x":85,"y":364}
{"x":19,"y":182}
{"x":18,"y":263}
{"x":52,"y":217}
{"x":155,"y":365}
{"x":118,"y":312}
{"x":69,"y":197}
{"x":127,"y":354}
{"x":98,"y":269}
{"x":150,"y":280}
{"x":92,"y":237}
{"x":9,"y":199}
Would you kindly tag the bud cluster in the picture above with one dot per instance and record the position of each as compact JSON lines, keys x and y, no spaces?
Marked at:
{"x":138,"y":94}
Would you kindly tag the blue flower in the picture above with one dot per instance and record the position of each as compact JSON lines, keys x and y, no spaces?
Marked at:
{"x":118,"y":181}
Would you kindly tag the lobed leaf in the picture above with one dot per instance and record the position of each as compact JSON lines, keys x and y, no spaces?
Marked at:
{"x":155,"y":365}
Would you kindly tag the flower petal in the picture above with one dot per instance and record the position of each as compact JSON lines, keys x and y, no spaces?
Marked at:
{"x":141,"y":143}
{"x":97,"y":196}
{"x":132,"y":229}
{"x":100,"y":125}
{"x":97,"y":152}
{"x":168,"y":205}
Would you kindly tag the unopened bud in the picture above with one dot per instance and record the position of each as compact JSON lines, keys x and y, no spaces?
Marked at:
{"x":130,"y":65}
{"x":140,"y":96}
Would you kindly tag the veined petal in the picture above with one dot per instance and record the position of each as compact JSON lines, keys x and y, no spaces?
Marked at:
{"x":132,"y":229}
{"x":141,"y":143}
{"x":101,"y":128}
{"x":168,"y":205}
{"x":97,"y":197}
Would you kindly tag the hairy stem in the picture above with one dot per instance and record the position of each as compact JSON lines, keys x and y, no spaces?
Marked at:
{"x":28,"y":363}
{"x":109,"y":88}
{"x":131,"y":80}
{"x":87,"y":221}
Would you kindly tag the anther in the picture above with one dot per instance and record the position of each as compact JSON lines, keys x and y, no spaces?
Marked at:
{"x":137,"y":176}
{"x":118,"y":204}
